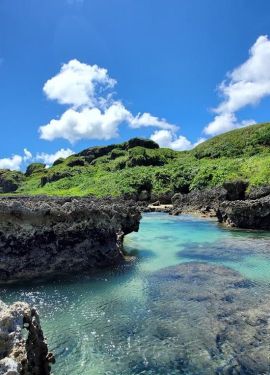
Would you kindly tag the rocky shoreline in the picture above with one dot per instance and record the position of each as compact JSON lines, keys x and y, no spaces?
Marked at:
{"x":20,"y":355}
{"x":41,"y":237}
{"x":231,"y":204}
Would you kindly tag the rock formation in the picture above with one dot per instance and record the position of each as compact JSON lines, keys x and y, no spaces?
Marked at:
{"x":253,"y":214}
{"x":43,"y":237}
{"x":20,"y":355}
{"x":230,"y":203}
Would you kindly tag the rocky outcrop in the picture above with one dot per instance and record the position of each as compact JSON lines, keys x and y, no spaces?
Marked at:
{"x":43,"y":237}
{"x":253,"y":214}
{"x":196,"y":200}
{"x":20,"y":355}
{"x":231,"y":204}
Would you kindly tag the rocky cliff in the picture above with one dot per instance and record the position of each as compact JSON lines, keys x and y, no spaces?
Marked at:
{"x":43,"y":237}
{"x":21,"y":353}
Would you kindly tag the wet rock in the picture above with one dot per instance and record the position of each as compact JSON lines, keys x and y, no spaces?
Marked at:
{"x":43,"y":237}
{"x":20,"y":355}
{"x":207,"y":319}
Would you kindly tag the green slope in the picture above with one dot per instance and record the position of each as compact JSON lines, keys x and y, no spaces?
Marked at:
{"x":139,"y":165}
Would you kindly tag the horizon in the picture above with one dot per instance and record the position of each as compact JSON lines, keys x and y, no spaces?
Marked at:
{"x":72,"y":79}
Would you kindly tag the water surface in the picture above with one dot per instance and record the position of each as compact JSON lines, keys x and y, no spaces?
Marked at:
{"x":107,"y":324}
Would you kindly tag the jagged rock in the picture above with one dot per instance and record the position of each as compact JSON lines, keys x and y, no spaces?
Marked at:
{"x":254,"y":214}
{"x":235,"y":190}
{"x":258,"y":192}
{"x":20,"y":356}
{"x":43,"y":237}
{"x":199,"y":199}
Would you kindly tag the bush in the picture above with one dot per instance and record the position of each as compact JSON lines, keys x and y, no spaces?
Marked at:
{"x":35,"y":168}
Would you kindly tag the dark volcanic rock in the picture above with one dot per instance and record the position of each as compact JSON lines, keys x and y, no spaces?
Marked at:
{"x":258,"y":192}
{"x":254,"y":214}
{"x":199,"y":199}
{"x":42,"y":237}
{"x":206,"y":319}
{"x":18,"y":355}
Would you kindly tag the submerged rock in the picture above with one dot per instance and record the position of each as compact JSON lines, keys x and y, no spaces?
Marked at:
{"x":20,"y":355}
{"x":206,"y":319}
{"x":42,"y":237}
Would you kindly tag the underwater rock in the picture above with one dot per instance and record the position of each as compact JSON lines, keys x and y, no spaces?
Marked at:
{"x":20,"y":355}
{"x":42,"y":237}
{"x":210,"y":320}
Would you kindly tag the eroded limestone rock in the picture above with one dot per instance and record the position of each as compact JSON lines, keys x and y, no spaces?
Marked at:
{"x":43,"y":237}
{"x":22,"y":353}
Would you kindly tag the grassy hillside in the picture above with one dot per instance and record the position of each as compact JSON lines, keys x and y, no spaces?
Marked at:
{"x":138,"y":165}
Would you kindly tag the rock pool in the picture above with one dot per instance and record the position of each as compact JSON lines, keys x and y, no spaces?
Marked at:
{"x":195,"y":301}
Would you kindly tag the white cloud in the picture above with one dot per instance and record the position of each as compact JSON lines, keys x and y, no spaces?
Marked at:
{"x":49,"y":159}
{"x":89,"y":123}
{"x":78,"y":84}
{"x":167,"y":138}
{"x":91,"y":114}
{"x":13,"y":163}
{"x":225,"y":122}
{"x":146,"y":119}
{"x":246,"y":85}
{"x":17,"y":162}
{"x":27,"y":155}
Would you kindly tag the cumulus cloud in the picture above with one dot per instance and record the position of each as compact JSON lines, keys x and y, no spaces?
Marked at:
{"x":167,"y":138}
{"x":146,"y":119}
{"x":17,"y":162}
{"x":225,"y":122}
{"x":89,"y":123}
{"x":76,"y":84}
{"x":93,"y":112}
{"x":13,"y":163}
{"x":49,"y":159}
{"x":246,"y":85}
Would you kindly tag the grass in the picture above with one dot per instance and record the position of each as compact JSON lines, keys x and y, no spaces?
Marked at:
{"x":130,"y":168}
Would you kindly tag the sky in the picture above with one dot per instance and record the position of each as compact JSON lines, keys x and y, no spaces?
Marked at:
{"x":80,"y":73}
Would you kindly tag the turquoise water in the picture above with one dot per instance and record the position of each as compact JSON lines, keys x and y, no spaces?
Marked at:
{"x":95,"y":325}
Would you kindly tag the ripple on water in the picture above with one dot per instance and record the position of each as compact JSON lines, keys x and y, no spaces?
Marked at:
{"x":176,"y":310}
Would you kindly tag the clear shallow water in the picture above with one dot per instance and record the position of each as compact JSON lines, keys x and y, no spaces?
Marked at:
{"x":107,"y":325}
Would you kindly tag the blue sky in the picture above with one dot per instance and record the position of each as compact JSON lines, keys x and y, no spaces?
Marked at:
{"x":165,"y":62}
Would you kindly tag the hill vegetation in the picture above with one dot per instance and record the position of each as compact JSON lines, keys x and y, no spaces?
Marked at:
{"x":139,"y":168}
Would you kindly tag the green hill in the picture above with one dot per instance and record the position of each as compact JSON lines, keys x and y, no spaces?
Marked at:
{"x":140,"y":167}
